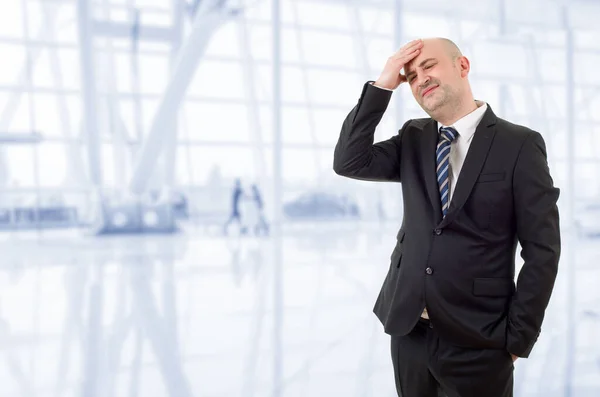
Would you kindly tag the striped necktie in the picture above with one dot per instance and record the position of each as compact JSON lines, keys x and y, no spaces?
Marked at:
{"x":447,"y":135}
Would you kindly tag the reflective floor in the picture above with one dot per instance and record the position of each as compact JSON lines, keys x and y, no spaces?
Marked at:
{"x":197,"y":315}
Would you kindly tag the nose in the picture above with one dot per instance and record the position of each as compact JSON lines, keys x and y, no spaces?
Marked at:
{"x":423,"y":81}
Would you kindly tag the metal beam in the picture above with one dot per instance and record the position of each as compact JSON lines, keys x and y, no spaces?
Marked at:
{"x":398,"y":42}
{"x":252,"y":100}
{"x":481,"y":76}
{"x":19,"y":137}
{"x":123,"y":30}
{"x":170,"y":155}
{"x":76,"y":170}
{"x":467,"y":12}
{"x":203,"y":26}
{"x":88,"y":91}
{"x":276,"y":224}
{"x":116,"y":126}
{"x":310,"y":106}
{"x":93,"y":338}
{"x":159,"y":332}
{"x":571,"y":193}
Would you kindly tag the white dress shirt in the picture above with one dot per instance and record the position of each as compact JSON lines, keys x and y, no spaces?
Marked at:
{"x":460,"y":146}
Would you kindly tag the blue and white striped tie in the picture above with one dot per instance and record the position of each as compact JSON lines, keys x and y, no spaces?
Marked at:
{"x":447,"y":135}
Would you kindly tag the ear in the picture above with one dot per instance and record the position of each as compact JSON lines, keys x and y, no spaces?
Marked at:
{"x":464,"y":66}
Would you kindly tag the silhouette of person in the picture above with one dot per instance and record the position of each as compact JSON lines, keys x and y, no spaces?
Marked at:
{"x":261,"y":223}
{"x":236,"y":215}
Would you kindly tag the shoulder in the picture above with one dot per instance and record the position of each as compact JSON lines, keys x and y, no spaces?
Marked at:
{"x":517,"y":134}
{"x":414,"y":125}
{"x":417,"y":123}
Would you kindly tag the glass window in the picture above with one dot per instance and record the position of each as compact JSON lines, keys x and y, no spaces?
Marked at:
{"x":20,"y":120}
{"x":418,"y":25}
{"x":293,"y":87}
{"x":302,"y":165}
{"x":122,"y":72}
{"x":331,"y":49}
{"x":11,"y":19}
{"x":374,"y":20}
{"x":20,"y":163}
{"x":225,"y":42}
{"x":219,"y":79}
{"x":328,"y":124}
{"x":232,"y":161}
{"x":13,"y":64}
{"x":64,"y":21}
{"x":49,"y":114}
{"x":334,"y":87}
{"x":148,"y":112}
{"x":116,"y":165}
{"x":154,"y":73}
{"x":53,"y":164}
{"x":325,"y":15}
{"x":585,"y":68}
{"x":501,"y":60}
{"x":373,"y":53}
{"x":218,"y":122}
{"x":183,"y":168}
{"x":296,"y":125}
{"x":45,"y":68}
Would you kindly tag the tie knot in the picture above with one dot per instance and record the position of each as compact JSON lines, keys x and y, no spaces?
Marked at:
{"x":448,"y":133}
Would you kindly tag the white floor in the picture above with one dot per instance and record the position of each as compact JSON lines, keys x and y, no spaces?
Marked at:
{"x":195,"y":315}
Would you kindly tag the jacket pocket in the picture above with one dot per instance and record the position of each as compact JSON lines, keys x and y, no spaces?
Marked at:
{"x":400,"y":236}
{"x":396,"y":257}
{"x":491,"y":177}
{"x":397,"y":253}
{"x":493,"y":287}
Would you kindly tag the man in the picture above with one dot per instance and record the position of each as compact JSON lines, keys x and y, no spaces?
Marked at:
{"x":473,"y":185}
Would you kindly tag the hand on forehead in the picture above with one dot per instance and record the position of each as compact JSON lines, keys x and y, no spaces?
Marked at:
{"x":436,"y":48}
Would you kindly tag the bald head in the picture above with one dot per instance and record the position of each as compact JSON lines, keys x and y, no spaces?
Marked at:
{"x":447,"y":45}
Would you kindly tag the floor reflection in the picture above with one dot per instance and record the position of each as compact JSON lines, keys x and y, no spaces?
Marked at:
{"x":194,"y":315}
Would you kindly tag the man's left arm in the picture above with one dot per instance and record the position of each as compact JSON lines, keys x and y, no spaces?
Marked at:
{"x":537,"y":226}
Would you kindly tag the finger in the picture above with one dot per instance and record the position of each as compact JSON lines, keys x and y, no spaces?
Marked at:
{"x":413,"y":44}
{"x":402,"y":59}
{"x":410,"y":52}
{"x":407,"y":51}
{"x":408,"y":47}
{"x":405,"y":58}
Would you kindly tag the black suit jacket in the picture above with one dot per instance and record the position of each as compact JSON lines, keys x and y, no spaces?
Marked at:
{"x":462,"y":266}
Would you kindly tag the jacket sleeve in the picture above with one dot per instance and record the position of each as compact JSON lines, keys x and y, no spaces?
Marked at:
{"x":355,"y":155}
{"x":537,"y":227}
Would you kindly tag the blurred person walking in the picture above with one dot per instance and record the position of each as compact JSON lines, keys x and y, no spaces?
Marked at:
{"x":237,"y":196}
{"x":259,"y":221}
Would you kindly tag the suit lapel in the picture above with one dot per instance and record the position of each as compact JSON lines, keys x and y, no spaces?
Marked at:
{"x":429,"y":139}
{"x":476,"y":155}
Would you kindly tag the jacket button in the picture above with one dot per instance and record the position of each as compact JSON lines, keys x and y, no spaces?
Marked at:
{"x":429,"y":271}
{"x":437,"y":231}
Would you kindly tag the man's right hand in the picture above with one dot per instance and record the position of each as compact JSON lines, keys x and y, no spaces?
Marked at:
{"x":391,"y":77}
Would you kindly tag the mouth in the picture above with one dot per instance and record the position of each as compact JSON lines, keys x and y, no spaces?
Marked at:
{"x":428,"y":90}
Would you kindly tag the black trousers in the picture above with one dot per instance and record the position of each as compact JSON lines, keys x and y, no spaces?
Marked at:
{"x":425,"y":365}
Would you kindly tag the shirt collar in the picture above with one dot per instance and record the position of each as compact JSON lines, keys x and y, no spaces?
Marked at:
{"x":466,"y":126}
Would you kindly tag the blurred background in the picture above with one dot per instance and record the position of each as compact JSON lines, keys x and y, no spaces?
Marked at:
{"x":170,"y":224}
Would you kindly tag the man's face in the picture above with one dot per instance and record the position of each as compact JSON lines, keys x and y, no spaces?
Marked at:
{"x":434,"y":78}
